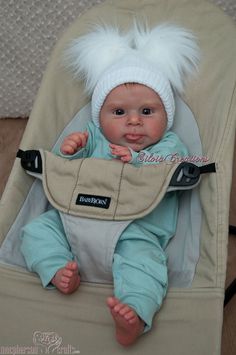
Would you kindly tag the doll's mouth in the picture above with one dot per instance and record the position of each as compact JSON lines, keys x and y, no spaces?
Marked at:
{"x":133,"y":137}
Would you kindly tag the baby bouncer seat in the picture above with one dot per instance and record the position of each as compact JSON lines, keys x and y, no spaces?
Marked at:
{"x":190,"y":319}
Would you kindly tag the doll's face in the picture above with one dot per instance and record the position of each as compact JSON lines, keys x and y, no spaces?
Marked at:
{"x":133,"y":115}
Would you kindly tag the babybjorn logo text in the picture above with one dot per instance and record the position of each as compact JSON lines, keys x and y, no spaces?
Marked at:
{"x":93,"y":201}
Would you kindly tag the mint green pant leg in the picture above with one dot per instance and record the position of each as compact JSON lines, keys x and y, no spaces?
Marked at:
{"x":140,"y":272}
{"x":45,"y":246}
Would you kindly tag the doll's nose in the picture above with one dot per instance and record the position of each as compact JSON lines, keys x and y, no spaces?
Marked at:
{"x":134,"y":119}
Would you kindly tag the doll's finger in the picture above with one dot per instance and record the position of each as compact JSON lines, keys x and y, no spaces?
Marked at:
{"x":126,"y":158}
{"x":84,"y":138}
{"x":117,"y":149}
{"x":74,"y":136}
{"x":123,"y":151}
{"x":116,"y":152}
{"x":80,"y":138}
{"x":67,"y":149}
{"x":72,"y":143}
{"x":115,"y":146}
{"x":122,"y":155}
{"x":69,"y":142}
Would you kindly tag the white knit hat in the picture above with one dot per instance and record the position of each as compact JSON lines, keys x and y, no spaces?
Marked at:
{"x":161,"y":58}
{"x":133,"y":70}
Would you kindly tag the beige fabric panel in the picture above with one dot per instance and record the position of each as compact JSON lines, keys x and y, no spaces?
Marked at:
{"x":193,"y":315}
{"x":187,"y":324}
{"x":133,"y":192}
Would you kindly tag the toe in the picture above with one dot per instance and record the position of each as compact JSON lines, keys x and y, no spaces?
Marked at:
{"x":130,"y":315}
{"x":124,"y":310}
{"x":67,"y":273}
{"x":112,"y":302}
{"x":72,"y":265}
{"x":65,"y":279}
{"x":68,"y":266}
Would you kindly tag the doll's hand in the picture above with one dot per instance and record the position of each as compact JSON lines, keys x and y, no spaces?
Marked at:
{"x":122,"y":152}
{"x":74,"y":142}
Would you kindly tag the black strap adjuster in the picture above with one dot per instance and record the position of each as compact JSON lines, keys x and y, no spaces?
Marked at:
{"x":188,"y":174}
{"x":30,"y":160}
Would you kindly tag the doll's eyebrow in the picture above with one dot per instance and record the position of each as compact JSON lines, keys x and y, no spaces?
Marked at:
{"x":115,"y":104}
{"x":151,"y":103}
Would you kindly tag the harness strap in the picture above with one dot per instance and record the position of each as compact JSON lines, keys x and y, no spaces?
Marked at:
{"x":83,"y":187}
{"x":185,"y":176}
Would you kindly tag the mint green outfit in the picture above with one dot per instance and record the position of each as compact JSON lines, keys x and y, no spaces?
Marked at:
{"x":139,"y":264}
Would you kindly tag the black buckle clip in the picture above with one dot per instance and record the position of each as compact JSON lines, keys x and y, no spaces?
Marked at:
{"x":30,"y":160}
{"x":186,"y":174}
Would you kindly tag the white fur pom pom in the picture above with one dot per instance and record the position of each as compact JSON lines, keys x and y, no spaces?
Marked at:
{"x":170,"y":48}
{"x":90,"y":55}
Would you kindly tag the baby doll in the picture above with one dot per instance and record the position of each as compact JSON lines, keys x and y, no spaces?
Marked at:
{"x":132,"y":79}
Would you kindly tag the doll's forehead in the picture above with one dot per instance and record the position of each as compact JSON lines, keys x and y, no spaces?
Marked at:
{"x":135,"y":89}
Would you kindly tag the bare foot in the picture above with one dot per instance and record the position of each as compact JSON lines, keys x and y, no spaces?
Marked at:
{"x":128,"y":324}
{"x":67,"y":279}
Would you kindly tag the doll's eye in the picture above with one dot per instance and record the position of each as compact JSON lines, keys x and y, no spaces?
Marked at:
{"x":146,"y":111}
{"x":119,"y":112}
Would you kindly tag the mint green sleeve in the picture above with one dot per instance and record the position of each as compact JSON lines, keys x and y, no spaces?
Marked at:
{"x":169,"y":148}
